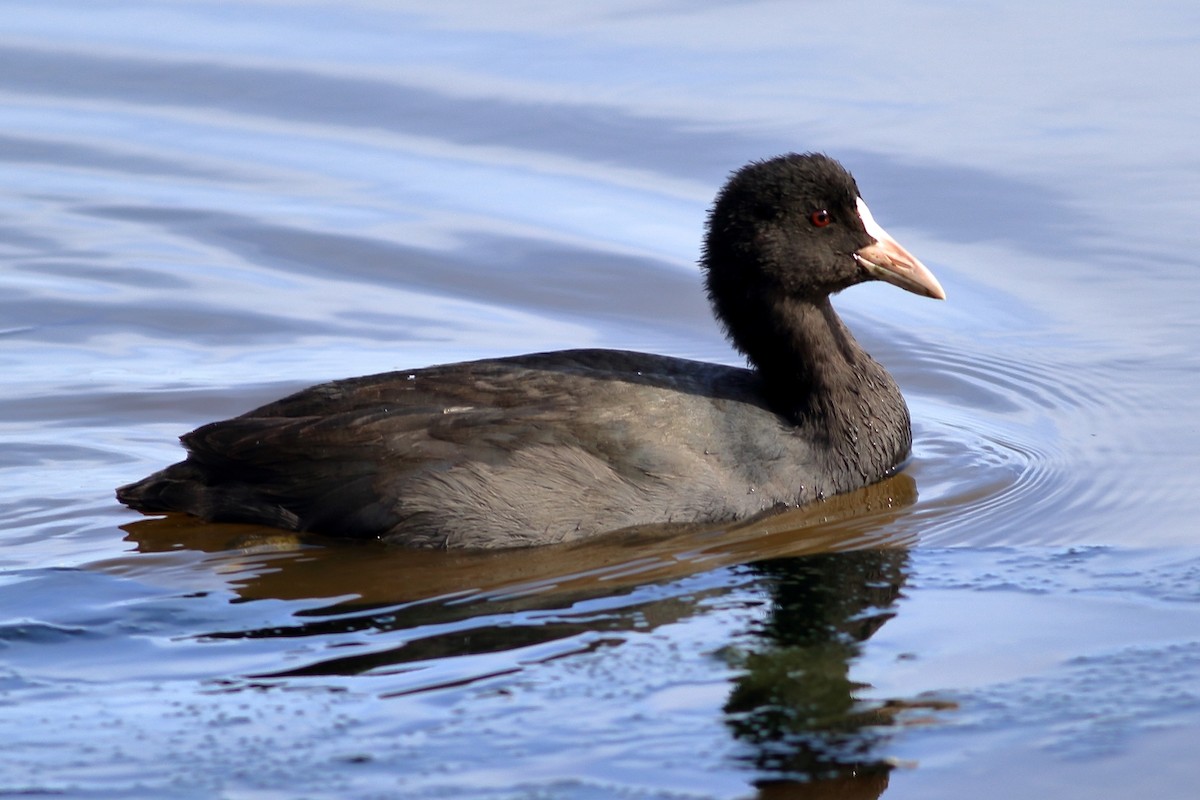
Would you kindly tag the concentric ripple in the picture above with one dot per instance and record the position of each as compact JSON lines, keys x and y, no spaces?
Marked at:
{"x":1013,"y":441}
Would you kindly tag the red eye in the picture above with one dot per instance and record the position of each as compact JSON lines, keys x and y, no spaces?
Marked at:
{"x":821,"y":218}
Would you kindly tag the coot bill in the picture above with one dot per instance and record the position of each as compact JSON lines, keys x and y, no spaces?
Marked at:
{"x":557,"y":446}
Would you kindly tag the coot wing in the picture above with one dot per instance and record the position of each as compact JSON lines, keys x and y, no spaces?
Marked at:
{"x":501,"y":451}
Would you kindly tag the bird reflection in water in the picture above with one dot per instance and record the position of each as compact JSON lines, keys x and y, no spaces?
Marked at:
{"x":795,"y":702}
{"x":830,"y":573}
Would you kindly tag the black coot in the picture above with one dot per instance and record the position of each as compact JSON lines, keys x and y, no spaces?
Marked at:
{"x":557,"y":446}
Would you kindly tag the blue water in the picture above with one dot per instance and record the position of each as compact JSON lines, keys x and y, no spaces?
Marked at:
{"x":206,"y":205}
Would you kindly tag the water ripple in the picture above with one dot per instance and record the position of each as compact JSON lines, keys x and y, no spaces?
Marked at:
{"x":1009,"y":439}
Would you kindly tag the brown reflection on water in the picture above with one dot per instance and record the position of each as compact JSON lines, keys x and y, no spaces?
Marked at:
{"x":829,"y":572}
{"x":262,"y":563}
{"x":842,"y":787}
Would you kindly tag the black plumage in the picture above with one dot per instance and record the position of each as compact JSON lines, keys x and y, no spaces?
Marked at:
{"x":557,"y":446}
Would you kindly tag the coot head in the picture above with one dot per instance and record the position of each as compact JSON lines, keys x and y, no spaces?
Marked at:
{"x":788,"y":232}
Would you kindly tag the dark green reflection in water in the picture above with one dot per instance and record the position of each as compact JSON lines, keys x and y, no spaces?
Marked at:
{"x":792,"y":704}
{"x":795,"y":702}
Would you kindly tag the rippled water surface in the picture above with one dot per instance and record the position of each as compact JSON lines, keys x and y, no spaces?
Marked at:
{"x":205,"y":205}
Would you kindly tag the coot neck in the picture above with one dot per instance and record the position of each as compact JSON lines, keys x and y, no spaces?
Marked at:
{"x":818,"y":376}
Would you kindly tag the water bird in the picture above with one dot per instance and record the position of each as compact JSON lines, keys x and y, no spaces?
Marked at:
{"x":558,"y":446}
